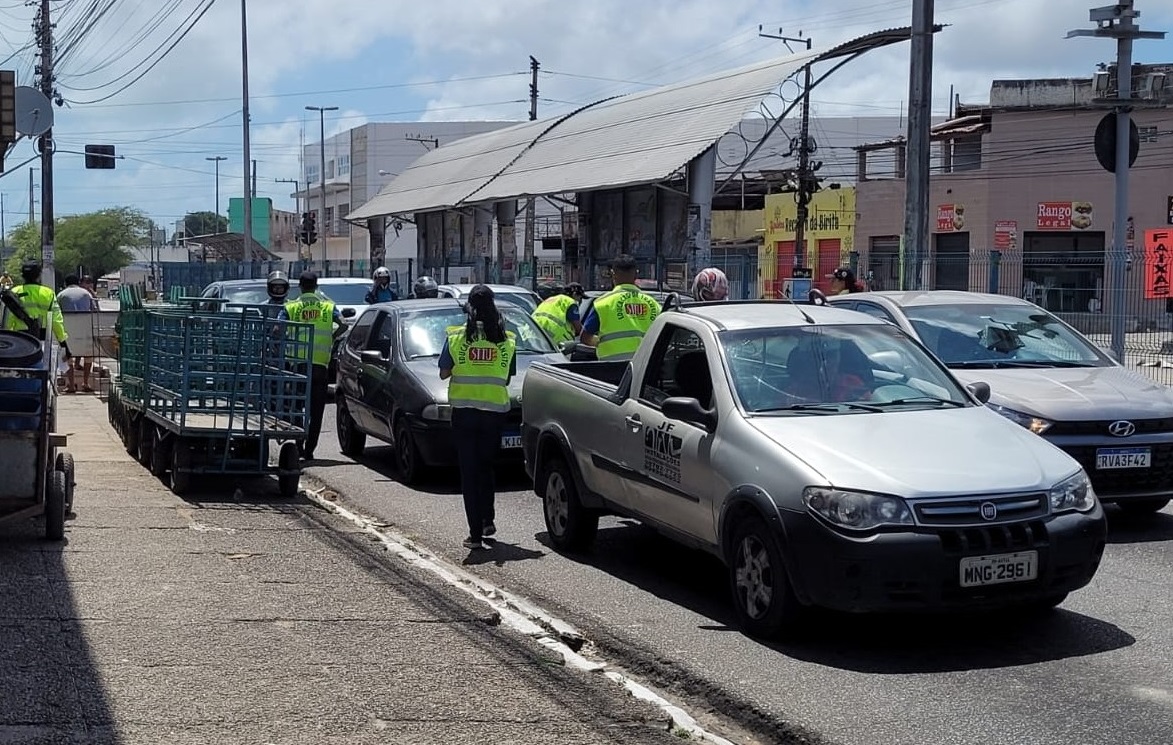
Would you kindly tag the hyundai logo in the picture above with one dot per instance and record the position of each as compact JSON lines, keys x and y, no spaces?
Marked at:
{"x":1122,"y":428}
{"x":989,"y":510}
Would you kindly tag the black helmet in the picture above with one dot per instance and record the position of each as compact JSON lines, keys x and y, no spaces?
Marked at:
{"x":278,"y":285}
{"x":425,"y":287}
{"x":30,"y":271}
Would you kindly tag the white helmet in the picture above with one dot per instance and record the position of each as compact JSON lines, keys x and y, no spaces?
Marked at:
{"x":710,"y":284}
{"x":382,"y":273}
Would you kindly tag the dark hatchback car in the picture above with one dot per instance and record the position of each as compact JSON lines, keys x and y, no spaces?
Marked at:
{"x":389,"y":384}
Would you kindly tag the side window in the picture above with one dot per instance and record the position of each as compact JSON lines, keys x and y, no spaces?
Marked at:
{"x":875,"y":311}
{"x":357,"y":338}
{"x":382,"y":335}
{"x":678,"y":367}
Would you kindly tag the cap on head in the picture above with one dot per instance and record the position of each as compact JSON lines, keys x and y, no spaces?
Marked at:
{"x":843,"y":274}
{"x":576,"y":290}
{"x":30,"y":271}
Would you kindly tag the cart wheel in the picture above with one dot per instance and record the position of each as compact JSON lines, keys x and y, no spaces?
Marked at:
{"x":180,"y":465}
{"x":55,"y":497}
{"x":146,"y":441}
{"x":288,"y":459}
{"x":160,"y":458}
{"x":65,"y":464}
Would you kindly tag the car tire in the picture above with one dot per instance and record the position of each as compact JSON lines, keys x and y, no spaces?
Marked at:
{"x":570,"y":525}
{"x":1142,"y":506}
{"x":407,"y":455}
{"x":762,"y":596}
{"x":351,"y":440}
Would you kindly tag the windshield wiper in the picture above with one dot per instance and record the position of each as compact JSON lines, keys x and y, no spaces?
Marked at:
{"x":994,"y":364}
{"x":829,"y":408}
{"x":921,"y":400}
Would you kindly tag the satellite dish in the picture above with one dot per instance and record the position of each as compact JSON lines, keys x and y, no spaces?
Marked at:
{"x":34,"y":113}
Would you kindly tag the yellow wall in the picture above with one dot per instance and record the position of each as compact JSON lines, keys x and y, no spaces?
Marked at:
{"x":737,"y":225}
{"x":830,"y":214}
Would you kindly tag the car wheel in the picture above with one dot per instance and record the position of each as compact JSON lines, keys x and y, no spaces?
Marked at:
{"x":570,"y":525}
{"x":1142,"y":506}
{"x":289,"y":462}
{"x":351,"y":440}
{"x":407,"y":455}
{"x":762,"y":596}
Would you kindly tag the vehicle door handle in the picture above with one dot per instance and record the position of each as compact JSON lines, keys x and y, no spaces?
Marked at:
{"x":633,"y":421}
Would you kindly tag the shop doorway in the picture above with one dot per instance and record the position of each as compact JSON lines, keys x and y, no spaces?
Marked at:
{"x":883,"y":269}
{"x":1064,"y":272}
{"x":951,"y":262}
{"x":830,"y":256}
{"x":783,"y":266}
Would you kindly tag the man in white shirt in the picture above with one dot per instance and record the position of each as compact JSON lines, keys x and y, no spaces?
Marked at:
{"x":77,"y":299}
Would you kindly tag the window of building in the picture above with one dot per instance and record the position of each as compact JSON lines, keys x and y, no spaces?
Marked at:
{"x":329,"y":218}
{"x":311,"y":174}
{"x":342,"y":227}
{"x":343,"y":165}
{"x":329,"y":169}
{"x":967,"y":154}
{"x":1063,"y":272}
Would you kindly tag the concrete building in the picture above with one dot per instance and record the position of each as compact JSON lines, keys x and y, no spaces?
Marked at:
{"x":1016,"y":186}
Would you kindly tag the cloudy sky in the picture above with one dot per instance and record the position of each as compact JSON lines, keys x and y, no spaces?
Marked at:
{"x":405,"y":60}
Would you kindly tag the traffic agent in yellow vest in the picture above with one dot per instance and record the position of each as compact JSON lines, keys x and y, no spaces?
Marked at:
{"x":558,"y":317}
{"x":39,"y":302}
{"x":618,"y":321}
{"x":480,"y":371}
{"x":323,"y":315}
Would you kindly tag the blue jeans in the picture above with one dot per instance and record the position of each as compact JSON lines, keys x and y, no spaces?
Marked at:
{"x":478,"y":439}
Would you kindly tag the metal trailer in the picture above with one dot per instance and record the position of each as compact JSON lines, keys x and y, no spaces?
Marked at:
{"x":38,"y":472}
{"x":211,"y":392}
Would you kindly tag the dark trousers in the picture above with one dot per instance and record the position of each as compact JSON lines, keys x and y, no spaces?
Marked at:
{"x":478,"y":439}
{"x":319,"y":381}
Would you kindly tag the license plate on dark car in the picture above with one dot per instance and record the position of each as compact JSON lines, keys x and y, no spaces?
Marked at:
{"x":997,"y":569}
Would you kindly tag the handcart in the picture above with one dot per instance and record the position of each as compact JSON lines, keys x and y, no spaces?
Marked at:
{"x":211,"y":392}
{"x":38,"y":472}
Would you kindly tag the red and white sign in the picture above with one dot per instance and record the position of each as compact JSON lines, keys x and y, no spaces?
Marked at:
{"x":1064,"y":215}
{"x":1006,"y":235}
{"x":950,"y":217}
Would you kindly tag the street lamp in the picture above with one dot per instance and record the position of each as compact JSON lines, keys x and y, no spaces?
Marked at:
{"x":322,"y":177}
{"x":215,"y":160}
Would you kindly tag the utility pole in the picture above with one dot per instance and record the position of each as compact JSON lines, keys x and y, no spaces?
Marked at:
{"x":527,"y":254}
{"x":808,"y":183}
{"x":32,"y":198}
{"x":3,"y":228}
{"x":322,"y":229}
{"x":423,"y":140}
{"x":916,"y":178}
{"x":216,"y":160}
{"x":44,"y":34}
{"x":254,"y":187}
{"x":248,"y":202}
{"x":1119,"y":22}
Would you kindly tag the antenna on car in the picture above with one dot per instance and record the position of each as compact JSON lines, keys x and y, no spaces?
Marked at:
{"x":805,"y":316}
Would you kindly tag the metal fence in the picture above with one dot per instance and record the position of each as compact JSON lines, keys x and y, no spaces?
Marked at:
{"x":1076,"y":286}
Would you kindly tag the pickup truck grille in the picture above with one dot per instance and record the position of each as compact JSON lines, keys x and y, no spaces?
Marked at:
{"x":1156,"y":478}
{"x":968,"y":510}
{"x":1009,"y":537}
{"x":1143,"y":427}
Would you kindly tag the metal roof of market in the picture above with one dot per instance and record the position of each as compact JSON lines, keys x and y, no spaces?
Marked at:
{"x":639,"y":138}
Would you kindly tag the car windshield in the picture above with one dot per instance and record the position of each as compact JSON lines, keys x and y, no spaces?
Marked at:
{"x":835,"y":370}
{"x":349,"y":293}
{"x":998,"y":335}
{"x":424,"y":332}
{"x":520,"y":299}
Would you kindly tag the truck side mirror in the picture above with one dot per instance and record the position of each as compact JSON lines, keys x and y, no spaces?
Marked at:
{"x":980,"y":391}
{"x":689,"y":410}
{"x":348,"y":312}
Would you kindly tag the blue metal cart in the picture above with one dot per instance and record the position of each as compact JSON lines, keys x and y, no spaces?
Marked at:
{"x":212,"y":392}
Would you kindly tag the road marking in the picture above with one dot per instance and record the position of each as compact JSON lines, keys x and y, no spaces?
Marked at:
{"x":517,"y":613}
{"x":1156,"y":695}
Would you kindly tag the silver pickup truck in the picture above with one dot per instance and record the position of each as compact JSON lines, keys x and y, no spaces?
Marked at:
{"x":823,"y":455}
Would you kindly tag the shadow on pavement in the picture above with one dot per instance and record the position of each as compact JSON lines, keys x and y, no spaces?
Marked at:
{"x":381,"y":460}
{"x":50,"y":688}
{"x":1126,"y":528}
{"x":500,"y":553}
{"x":874,"y":643}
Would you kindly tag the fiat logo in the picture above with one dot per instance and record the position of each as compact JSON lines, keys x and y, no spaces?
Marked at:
{"x":989,"y":510}
{"x":1122,"y":428}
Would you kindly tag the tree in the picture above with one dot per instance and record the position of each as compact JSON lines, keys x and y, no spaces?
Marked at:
{"x":204,"y":223}
{"x":95,"y":242}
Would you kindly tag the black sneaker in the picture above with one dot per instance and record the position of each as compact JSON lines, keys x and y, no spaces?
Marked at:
{"x":474,"y":543}
{"x":489,"y":530}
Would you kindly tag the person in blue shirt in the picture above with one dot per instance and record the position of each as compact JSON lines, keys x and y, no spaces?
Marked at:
{"x":381,"y":291}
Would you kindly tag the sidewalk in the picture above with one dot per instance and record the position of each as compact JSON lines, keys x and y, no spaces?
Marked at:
{"x":216,"y":619}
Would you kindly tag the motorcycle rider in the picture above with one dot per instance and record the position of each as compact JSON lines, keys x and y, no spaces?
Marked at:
{"x":278,"y":288}
{"x":710,"y":285}
{"x":425,"y":287}
{"x":381,"y":291}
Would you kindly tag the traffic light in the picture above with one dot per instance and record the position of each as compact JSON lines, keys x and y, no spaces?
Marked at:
{"x":308,"y":233}
{"x":99,"y":156}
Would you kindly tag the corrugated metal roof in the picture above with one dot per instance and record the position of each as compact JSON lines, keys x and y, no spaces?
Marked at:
{"x":638,"y":138}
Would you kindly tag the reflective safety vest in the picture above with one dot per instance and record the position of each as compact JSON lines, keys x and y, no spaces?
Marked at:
{"x":625,"y":315}
{"x":551,"y":317}
{"x":41,"y":304}
{"x":314,"y":309}
{"x":480,"y":373}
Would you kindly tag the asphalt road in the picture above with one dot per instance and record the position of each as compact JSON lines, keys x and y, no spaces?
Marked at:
{"x":1098,"y":670}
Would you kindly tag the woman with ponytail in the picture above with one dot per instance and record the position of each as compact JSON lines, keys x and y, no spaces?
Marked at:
{"x":478,"y":361}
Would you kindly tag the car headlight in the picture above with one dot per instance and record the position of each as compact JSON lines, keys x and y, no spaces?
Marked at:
{"x":438,"y":412}
{"x":1033,"y":423}
{"x":1073,"y":494}
{"x":856,"y":510}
